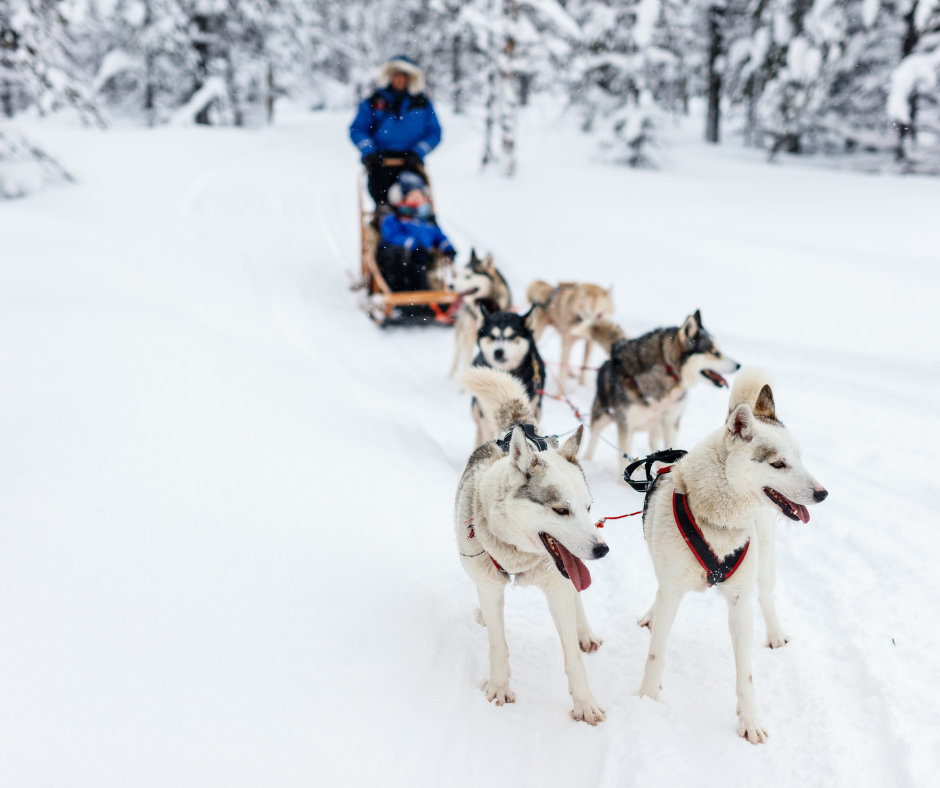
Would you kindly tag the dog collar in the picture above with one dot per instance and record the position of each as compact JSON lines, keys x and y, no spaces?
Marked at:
{"x":718,"y":571}
{"x":539,"y":441}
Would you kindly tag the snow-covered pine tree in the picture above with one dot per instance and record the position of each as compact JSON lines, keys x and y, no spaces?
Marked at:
{"x":523,"y":42}
{"x":39,"y":43}
{"x":624,"y":78}
{"x":913,"y":103}
{"x":150,"y":59}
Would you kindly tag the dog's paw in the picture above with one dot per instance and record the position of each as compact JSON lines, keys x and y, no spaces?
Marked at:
{"x":589,"y":642}
{"x":752,"y":731}
{"x":647,"y":620}
{"x":587,"y":710}
{"x":650,"y":692}
{"x":479,"y":617}
{"x":776,"y":640}
{"x":499,"y":692}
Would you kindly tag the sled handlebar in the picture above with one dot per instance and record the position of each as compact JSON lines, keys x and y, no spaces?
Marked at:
{"x":393,"y":162}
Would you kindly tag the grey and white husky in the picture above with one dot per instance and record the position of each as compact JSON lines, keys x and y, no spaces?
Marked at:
{"x":642,"y":386}
{"x":523,"y":510}
{"x":730,"y":484}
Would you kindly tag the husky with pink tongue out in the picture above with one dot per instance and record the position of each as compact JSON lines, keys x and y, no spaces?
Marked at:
{"x":710,"y":521}
{"x":523,"y":513}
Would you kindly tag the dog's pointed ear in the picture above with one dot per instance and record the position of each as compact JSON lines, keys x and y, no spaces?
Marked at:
{"x":529,"y":318}
{"x":689,"y":329}
{"x":765,"y":404}
{"x":519,"y":452}
{"x":741,"y":423}
{"x":488,"y":263}
{"x":698,"y":317}
{"x":484,"y":310}
{"x":473,"y":255}
{"x":569,"y":449}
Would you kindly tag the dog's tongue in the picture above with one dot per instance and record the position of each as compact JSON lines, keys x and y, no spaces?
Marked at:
{"x":715,"y":378}
{"x":801,"y":511}
{"x":575,"y":568}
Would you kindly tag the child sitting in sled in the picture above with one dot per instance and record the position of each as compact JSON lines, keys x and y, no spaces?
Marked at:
{"x":410,"y":236}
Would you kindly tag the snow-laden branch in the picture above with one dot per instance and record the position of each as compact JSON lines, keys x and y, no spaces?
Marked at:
{"x":917,"y":72}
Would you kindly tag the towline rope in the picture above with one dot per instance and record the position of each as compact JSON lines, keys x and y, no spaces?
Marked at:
{"x":580,"y":418}
{"x":600,"y":523}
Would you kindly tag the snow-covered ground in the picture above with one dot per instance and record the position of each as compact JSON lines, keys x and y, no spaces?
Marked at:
{"x":227,"y":553}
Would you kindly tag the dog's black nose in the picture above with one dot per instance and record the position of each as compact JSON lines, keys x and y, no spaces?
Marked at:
{"x":498,"y":354}
{"x":737,"y":367}
{"x":600,"y":550}
{"x":820,"y":495}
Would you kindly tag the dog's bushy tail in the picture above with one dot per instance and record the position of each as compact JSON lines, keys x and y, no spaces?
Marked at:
{"x":539,"y":292}
{"x":502,"y":396}
{"x":747,"y":386}
{"x":605,"y":332}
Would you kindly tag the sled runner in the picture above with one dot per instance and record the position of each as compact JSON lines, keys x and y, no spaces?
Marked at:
{"x":380,"y":302}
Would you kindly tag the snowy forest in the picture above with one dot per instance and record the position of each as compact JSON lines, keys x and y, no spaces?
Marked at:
{"x":796,"y":76}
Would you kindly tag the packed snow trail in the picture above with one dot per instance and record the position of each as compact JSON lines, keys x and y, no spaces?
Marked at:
{"x":228,"y":554}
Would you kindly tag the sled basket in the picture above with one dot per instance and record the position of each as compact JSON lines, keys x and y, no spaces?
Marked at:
{"x":385,"y":306}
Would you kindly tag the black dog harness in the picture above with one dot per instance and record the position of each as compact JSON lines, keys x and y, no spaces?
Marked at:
{"x":539,"y":441}
{"x":717,"y":571}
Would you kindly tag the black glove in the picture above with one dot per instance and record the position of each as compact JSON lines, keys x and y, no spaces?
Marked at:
{"x":450,"y":254}
{"x":412,"y":161}
{"x":372,"y":160}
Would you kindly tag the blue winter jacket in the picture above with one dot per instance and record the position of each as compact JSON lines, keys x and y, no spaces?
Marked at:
{"x":414,"y":234}
{"x":390,"y":120}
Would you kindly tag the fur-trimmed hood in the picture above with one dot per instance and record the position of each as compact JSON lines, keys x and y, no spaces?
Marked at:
{"x":401,"y":63}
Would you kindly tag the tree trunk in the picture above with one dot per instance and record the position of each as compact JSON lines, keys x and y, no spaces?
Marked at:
{"x":6,"y":98}
{"x":715,"y":14}
{"x":510,"y":90}
{"x":150,"y":88}
{"x":457,"y":75}
{"x":232,"y":90}
{"x":488,"y":155}
{"x":907,"y":132}
{"x":269,"y":98}
{"x":492,"y":91}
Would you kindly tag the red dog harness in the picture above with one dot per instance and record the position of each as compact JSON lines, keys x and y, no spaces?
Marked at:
{"x":718,"y":571}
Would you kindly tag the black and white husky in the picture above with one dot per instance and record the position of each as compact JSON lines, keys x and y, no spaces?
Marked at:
{"x":523,"y":510}
{"x":706,"y":523}
{"x":481,"y":285}
{"x":506,"y":343}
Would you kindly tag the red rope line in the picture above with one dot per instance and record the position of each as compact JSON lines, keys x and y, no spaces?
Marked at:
{"x":600,"y":523}
{"x":568,"y":402}
{"x":571,"y":366}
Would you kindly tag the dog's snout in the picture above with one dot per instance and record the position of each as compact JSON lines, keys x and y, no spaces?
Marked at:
{"x":820,"y":495}
{"x":600,"y":550}
{"x":498,"y":354}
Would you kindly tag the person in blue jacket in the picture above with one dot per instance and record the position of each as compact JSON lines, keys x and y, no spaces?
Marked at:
{"x":396,"y":122}
{"x":410,"y":236}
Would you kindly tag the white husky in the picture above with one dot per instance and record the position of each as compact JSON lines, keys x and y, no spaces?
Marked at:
{"x":724,"y":485}
{"x":523,"y":509}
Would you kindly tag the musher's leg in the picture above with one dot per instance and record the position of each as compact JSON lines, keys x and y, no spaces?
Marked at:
{"x":380,"y":180}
